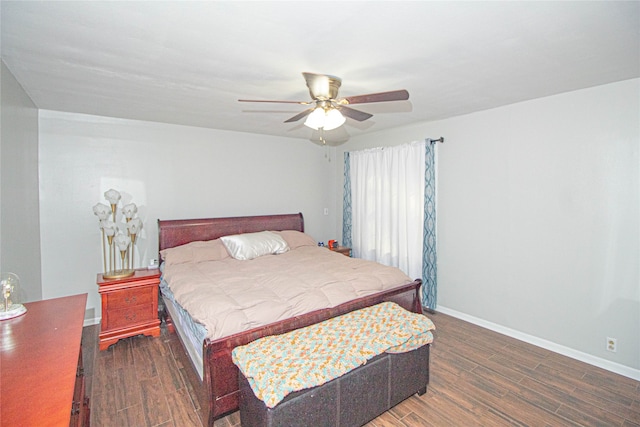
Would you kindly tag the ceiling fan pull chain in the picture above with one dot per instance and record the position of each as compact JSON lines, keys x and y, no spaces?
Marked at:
{"x":324,"y":144}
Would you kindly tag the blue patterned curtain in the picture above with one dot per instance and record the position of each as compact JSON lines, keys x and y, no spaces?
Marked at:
{"x":346,"y":204}
{"x":429,"y":255}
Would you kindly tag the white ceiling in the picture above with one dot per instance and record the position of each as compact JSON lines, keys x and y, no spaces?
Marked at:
{"x":189,"y":62}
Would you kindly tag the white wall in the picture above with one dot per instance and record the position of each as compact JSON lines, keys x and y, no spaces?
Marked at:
{"x":538,"y":204}
{"x":170,"y":172}
{"x":19,"y":217}
{"x":538,"y":217}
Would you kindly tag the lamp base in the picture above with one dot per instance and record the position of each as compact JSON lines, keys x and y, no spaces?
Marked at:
{"x":118,"y":274}
{"x":14,"y":310}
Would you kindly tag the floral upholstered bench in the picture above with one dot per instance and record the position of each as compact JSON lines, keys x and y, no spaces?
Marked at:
{"x":344,"y":371}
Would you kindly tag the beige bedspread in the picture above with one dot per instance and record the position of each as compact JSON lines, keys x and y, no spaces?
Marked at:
{"x":230,"y":296}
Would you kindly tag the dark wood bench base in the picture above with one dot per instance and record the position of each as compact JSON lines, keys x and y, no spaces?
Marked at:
{"x":350,"y":400}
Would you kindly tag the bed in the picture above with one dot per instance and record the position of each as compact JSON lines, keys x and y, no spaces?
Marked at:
{"x":209,"y":368}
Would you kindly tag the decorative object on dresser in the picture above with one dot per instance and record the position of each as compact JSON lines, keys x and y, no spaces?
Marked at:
{"x":114,"y":231}
{"x":129,"y":306}
{"x":43,"y":380}
{"x":10,"y":306}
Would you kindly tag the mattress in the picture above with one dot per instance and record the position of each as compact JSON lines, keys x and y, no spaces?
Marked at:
{"x":192,"y":334}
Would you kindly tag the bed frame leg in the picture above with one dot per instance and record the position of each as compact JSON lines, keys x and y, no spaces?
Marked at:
{"x":422,"y":391}
{"x":168,"y":321}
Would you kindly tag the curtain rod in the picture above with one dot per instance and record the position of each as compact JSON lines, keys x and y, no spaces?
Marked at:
{"x":441,"y":139}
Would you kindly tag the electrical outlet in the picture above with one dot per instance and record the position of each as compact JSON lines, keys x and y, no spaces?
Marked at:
{"x":612,"y":344}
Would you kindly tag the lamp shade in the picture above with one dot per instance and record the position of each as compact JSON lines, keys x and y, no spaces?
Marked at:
{"x":109,"y":227}
{"x":326,"y":119}
{"x":102,"y":211}
{"x":134,"y":225}
{"x":122,"y":242}
{"x":315,"y":120}
{"x":129,"y":210}
{"x":333,"y":119}
{"x":112,"y":196}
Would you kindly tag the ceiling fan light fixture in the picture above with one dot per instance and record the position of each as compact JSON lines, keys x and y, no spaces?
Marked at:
{"x":329,"y":111}
{"x":326,"y":119}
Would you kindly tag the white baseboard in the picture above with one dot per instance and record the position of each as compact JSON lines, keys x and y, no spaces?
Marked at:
{"x":557,"y":348}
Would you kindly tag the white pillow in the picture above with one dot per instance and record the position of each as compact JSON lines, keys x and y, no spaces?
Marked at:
{"x":252,"y":245}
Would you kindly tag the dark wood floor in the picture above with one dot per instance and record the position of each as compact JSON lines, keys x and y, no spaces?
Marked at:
{"x":478,"y":378}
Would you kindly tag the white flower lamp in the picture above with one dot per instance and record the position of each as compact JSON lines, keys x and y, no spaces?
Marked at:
{"x":110,"y":227}
{"x":10,"y":307}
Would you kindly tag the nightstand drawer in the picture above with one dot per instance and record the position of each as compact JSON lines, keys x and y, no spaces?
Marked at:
{"x":129,"y":298}
{"x":129,"y":316}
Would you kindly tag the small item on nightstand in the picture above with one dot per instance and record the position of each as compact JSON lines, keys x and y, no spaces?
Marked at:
{"x":333,"y":244}
{"x":321,"y":244}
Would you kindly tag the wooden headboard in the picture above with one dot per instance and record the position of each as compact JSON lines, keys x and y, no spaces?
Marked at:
{"x":176,"y":232}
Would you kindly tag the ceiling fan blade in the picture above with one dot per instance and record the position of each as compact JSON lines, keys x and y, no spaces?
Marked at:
{"x":299,"y":116}
{"x":279,"y":102}
{"x":394,"y":95}
{"x":354,"y":114}
{"x":322,"y":86}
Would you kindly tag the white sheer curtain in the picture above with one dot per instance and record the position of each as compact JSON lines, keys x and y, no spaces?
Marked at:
{"x":387,"y":201}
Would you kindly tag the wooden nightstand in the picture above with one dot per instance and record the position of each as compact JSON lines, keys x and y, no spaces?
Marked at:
{"x":344,"y":250}
{"x":129,"y":306}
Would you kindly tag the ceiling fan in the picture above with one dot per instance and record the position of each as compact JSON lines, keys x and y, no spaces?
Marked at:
{"x":328,"y":111}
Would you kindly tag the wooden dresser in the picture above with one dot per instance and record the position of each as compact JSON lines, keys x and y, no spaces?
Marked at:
{"x":129,"y":306}
{"x":41,"y":365}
